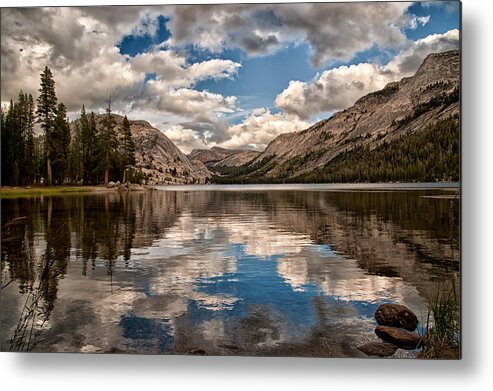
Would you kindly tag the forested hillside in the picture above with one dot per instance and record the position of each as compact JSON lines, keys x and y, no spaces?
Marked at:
{"x":427,"y":156}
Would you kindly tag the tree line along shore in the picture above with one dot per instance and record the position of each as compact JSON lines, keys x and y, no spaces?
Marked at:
{"x":91,"y":153}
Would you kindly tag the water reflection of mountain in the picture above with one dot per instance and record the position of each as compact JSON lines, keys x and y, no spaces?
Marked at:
{"x":394,"y":234}
{"x":155,"y":271}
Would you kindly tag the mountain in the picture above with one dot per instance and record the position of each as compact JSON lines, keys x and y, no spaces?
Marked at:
{"x":380,"y":125}
{"x":239,"y":158}
{"x":217,"y":157}
{"x":211,"y":155}
{"x":161,"y":160}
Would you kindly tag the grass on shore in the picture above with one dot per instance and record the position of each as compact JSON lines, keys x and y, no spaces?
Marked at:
{"x":442,"y":333}
{"x":11,"y":192}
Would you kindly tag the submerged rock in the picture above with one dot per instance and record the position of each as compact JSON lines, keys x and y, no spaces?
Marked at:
{"x":396,"y":315}
{"x":400,"y":337}
{"x":380,"y":349}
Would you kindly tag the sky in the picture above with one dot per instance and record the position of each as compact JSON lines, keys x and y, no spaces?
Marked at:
{"x":234,"y":75}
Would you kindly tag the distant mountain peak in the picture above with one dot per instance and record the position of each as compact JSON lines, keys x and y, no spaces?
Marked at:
{"x":222,"y":157}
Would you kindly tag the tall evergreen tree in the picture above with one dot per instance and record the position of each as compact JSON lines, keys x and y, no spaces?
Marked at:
{"x":21,"y":130}
{"x":128,"y":147}
{"x":95,"y":150}
{"x":29,"y":150}
{"x":39,"y":158}
{"x":13,"y":144}
{"x":17,"y":141}
{"x":8,"y":138}
{"x":46,"y":112}
{"x":25,"y":143}
{"x":108,"y":142}
{"x":76,"y":162}
{"x":61,"y":144}
{"x":86,"y":145}
{"x":2,"y":144}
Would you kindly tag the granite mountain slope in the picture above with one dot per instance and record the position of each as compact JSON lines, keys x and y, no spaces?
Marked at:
{"x":158,"y":158}
{"x":217,"y":157}
{"x":401,"y":108}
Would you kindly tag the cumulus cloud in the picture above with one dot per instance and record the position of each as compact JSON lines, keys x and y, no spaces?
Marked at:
{"x":186,"y":139}
{"x":338,"y":88}
{"x":256,"y":131}
{"x":337,"y":31}
{"x":409,"y":59}
{"x":261,"y":127}
{"x":80,"y":46}
{"x":172,"y":68}
{"x":333,"y":31}
{"x":190,"y":135}
{"x":332,"y":90}
{"x":186,"y":102}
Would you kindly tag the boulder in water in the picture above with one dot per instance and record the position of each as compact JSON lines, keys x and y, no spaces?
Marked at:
{"x":397,"y":336}
{"x":396,"y":315}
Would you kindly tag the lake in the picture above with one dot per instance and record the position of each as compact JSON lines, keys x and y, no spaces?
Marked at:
{"x":295,"y":270}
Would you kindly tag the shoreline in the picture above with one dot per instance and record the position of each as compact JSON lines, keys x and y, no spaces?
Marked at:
{"x":446,"y":186}
{"x":25,"y":191}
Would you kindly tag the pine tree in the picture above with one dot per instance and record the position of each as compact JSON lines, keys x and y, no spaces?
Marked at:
{"x":76,"y":163}
{"x":128,"y":147}
{"x":94,"y":151}
{"x":61,"y":143}
{"x":87,"y":145}
{"x":6,"y":145}
{"x":108,"y":142}
{"x":46,"y":112}
{"x":39,"y":155}
{"x":29,"y":151}
{"x":21,"y":130}
{"x":17,"y":141}
{"x":12,"y":145}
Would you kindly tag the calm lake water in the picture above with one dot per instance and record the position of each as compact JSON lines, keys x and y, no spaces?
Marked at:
{"x":228,"y":270}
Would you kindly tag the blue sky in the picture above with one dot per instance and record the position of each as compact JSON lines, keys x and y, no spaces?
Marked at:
{"x":230,"y":75}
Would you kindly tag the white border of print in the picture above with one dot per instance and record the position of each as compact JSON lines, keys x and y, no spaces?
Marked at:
{"x":473,"y":372}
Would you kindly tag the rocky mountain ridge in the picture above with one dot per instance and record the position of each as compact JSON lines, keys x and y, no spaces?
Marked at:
{"x":217,"y":157}
{"x":399,"y":109}
{"x":158,"y":158}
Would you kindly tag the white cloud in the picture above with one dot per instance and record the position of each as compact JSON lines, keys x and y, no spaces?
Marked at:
{"x":80,"y":46}
{"x":332,"y":90}
{"x":255,"y":132}
{"x":173,"y":69}
{"x":216,"y":69}
{"x":199,"y":105}
{"x":416,"y":21}
{"x":186,"y":139}
{"x":260,"y":128}
{"x":409,"y":59}
{"x":338,"y":88}
{"x":333,"y":31}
